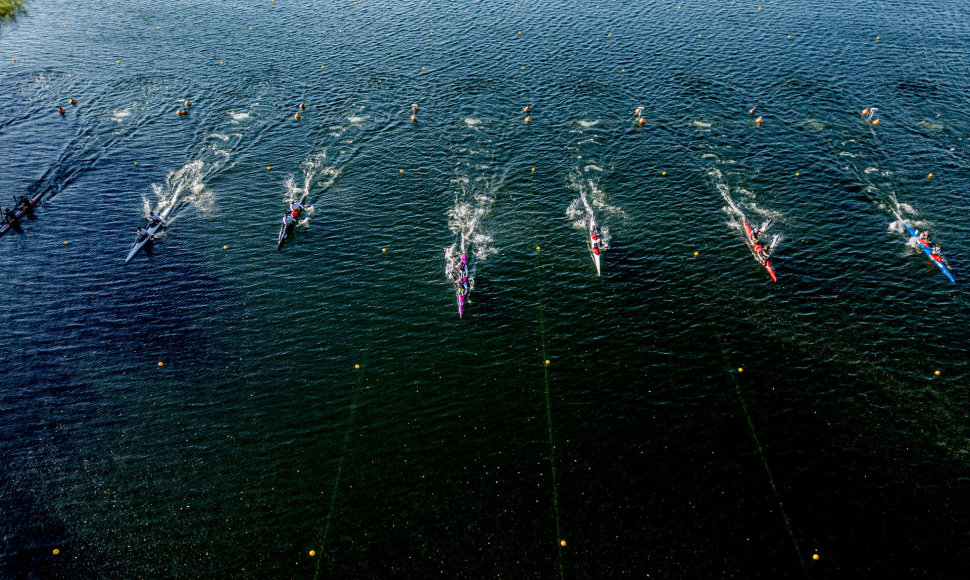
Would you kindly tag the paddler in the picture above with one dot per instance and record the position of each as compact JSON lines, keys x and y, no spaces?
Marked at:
{"x":595,"y":233}
{"x":23,"y":203}
{"x":9,"y":215}
{"x":288,"y":220}
{"x":155,"y":219}
{"x":141,"y":232}
{"x":937,"y":255}
{"x":296,"y":207}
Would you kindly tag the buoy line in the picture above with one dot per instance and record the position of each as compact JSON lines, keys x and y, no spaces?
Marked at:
{"x":560,"y":542}
{"x":358,"y":387}
{"x":751,"y":428}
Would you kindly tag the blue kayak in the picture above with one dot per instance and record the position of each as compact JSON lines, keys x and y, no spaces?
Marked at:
{"x":936,"y":259}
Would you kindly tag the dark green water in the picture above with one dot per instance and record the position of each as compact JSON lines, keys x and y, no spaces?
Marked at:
{"x":454,"y":449}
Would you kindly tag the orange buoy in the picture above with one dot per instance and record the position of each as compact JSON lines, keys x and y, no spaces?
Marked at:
{"x":528,"y":119}
{"x":641,"y":121}
{"x":73,"y":101}
{"x":876,"y":122}
{"x":751,"y":111}
{"x":527,"y":109}
{"x":61,"y":110}
{"x":758,"y":120}
{"x":302,"y":106}
{"x":297,"y":116}
{"x":414,"y":118}
{"x":180,"y":112}
{"x":865,"y":112}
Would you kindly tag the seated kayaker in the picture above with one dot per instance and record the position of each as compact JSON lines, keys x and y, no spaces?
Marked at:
{"x":141,"y":232}
{"x":296,"y":207}
{"x":936,"y":254}
{"x":924,"y":235}
{"x":154,"y":218}
{"x":288,"y":220}
{"x":23,"y":203}
{"x":9,"y":216}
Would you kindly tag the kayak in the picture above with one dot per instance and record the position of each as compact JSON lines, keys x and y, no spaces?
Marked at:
{"x":594,"y":244}
{"x":142,"y":240}
{"x":461,"y":286}
{"x":755,"y":246}
{"x":934,"y":257}
{"x":7,"y":225}
{"x":287,"y":229}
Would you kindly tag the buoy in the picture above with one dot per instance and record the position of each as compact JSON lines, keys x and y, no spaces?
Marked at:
{"x":119,"y":62}
{"x":609,"y":36}
{"x":160,"y":363}
{"x":696,"y":254}
{"x":534,"y":170}
{"x":136,"y":163}
{"x":758,"y":120}
{"x":431,"y":34}
{"x":323,"y":66}
{"x":622,"y":70}
{"x":537,"y":248}
{"x":865,"y":111}
{"x":740,"y":370}
{"x":562,"y":543}
{"x":929,"y":176}
{"x":188,"y":103}
{"x":158,"y":28}
{"x":523,"y":68}
{"x":55,"y":551}
{"x":268,"y":168}
{"x":302,"y":106}
{"x":789,"y":37}
{"x":356,"y":366}
{"x":250,"y":27}
{"x":698,"y":36}
{"x":73,"y":101}
{"x":296,"y":116}
{"x":340,"y":31}
{"x":641,"y":121}
{"x":414,"y":118}
{"x":402,"y":171}
{"x":876,"y":122}
{"x":528,"y":119}
{"x":61,"y":110}
{"x":65,"y":243}
{"x":312,"y":552}
{"x":797,"y":174}
{"x":221,"y":63}
{"x":547,"y":361}
{"x":527,"y":109}
{"x":383,"y":249}
{"x":751,"y":111}
{"x":937,"y":373}
{"x":814,"y":556}
{"x":225,"y":247}
{"x":663,"y":174}
{"x":180,"y":112}
{"x":759,"y":8}
{"x":877,"y":38}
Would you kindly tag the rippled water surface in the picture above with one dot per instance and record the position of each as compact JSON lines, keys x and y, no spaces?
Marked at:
{"x":218,"y":408}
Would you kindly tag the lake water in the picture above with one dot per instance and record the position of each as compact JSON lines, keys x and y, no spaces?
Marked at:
{"x":218,"y":408}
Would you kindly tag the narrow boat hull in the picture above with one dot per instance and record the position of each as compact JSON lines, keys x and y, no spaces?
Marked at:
{"x":929,"y":253}
{"x":594,"y":247}
{"x":22,"y":212}
{"x":749,"y":237}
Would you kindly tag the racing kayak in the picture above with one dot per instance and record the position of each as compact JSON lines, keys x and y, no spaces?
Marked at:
{"x":8,"y":225}
{"x":140,"y":243}
{"x":287,"y":229}
{"x":461,"y":286}
{"x":756,"y":248}
{"x":594,"y":244}
{"x":934,"y":257}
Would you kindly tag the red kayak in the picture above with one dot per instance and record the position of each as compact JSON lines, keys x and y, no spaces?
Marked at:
{"x":757,"y":249}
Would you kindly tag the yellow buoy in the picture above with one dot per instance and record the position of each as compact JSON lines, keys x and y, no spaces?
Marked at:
{"x":158,"y":28}
{"x":312,"y":552}
{"x":937,"y":373}
{"x":119,"y":62}
{"x":422,"y":68}
{"x":225,"y":247}
{"x":528,"y":119}
{"x":698,"y":36}
{"x":340,"y":31}
{"x":663,"y":173}
{"x":250,"y":27}
{"x":759,"y":8}
{"x":562,"y":543}
{"x":383,"y":249}
{"x":523,"y":68}
{"x":402,"y":171}
{"x":814,"y":556}
{"x":55,"y":551}
{"x":65,"y":243}
{"x":537,"y":248}
{"x":547,"y":361}
{"x":431,"y":34}
{"x":221,"y":63}
{"x":696,"y":254}
{"x":323,"y":66}
{"x":740,"y":370}
{"x":929,"y":176}
{"x":296,"y":116}
{"x":877,"y":38}
{"x":268,"y":168}
{"x":789,"y":37}
{"x":533,"y":170}
{"x":160,"y":363}
{"x":797,"y":174}
{"x":622,"y":70}
{"x":609,"y":36}
{"x":356,"y":366}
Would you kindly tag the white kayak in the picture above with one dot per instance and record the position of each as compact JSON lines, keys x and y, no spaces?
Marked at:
{"x":140,"y":243}
{"x":594,"y":244}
